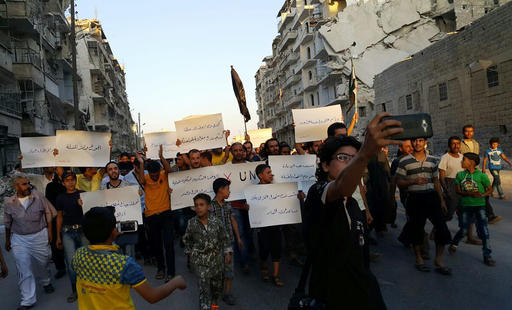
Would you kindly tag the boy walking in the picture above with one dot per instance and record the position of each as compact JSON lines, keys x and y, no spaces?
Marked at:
{"x":494,"y":155}
{"x":224,"y":213}
{"x":473,"y":185}
{"x":207,"y":243}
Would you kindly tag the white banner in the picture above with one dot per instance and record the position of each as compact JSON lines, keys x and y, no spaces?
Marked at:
{"x":126,"y":201}
{"x":273,"y":204}
{"x":259,"y":136}
{"x":201,"y":132}
{"x":166,"y":139}
{"x":82,"y":148}
{"x":186,"y":184}
{"x":311,"y":124}
{"x":37,"y":152}
{"x":293,"y":168}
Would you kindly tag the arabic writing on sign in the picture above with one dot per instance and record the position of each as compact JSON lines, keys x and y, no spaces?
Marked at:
{"x":124,"y":204}
{"x":190,"y":179}
{"x":194,"y":192}
{"x":272,"y":196}
{"x":319,"y":121}
{"x":205,"y":126}
{"x":202,"y":138}
{"x":293,"y":176}
{"x":41,"y":150}
{"x":83,"y":147}
{"x":296,"y":166}
{"x":282,"y":211}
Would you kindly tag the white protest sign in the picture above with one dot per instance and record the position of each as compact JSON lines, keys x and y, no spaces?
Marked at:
{"x":166,"y":139}
{"x":37,"y":152}
{"x":186,"y":184}
{"x":311,"y":124}
{"x":273,"y":204}
{"x":293,"y":168}
{"x":306,"y":185}
{"x":126,"y":201}
{"x":82,"y":148}
{"x":259,"y":136}
{"x":201,"y":132}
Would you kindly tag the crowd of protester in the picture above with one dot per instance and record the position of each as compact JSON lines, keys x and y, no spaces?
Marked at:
{"x":354,"y":194}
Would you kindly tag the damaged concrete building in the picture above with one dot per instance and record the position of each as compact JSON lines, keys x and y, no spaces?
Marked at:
{"x":310,"y":62}
{"x":103,"y":98}
{"x":36,"y":95}
{"x":465,"y":78}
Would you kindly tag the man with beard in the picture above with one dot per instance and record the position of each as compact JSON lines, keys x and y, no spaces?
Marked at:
{"x":271,"y":148}
{"x":241,"y":214}
{"x":28,"y":232}
{"x":125,"y":241}
{"x":251,"y":154}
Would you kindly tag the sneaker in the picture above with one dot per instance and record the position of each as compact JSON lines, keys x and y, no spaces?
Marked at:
{"x":72,"y":298}
{"x":60,"y":273}
{"x":48,"y":289}
{"x":495,"y":219}
{"x":229,"y":299}
{"x":489,"y":261}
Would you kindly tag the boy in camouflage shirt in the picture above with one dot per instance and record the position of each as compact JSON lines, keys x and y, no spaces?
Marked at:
{"x":207,"y":243}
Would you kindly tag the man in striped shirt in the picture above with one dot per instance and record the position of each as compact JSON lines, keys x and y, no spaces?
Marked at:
{"x":418,"y":173}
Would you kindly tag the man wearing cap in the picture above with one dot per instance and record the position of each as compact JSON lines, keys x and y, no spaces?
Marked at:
{"x":69,"y":225}
{"x":28,"y":228}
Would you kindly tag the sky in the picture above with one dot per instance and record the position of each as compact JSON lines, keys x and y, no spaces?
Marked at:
{"x":177,"y":54}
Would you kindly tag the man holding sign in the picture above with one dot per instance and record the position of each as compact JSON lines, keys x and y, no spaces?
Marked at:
{"x":158,"y":213}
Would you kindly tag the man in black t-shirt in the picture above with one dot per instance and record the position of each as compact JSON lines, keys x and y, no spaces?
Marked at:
{"x":69,"y":225}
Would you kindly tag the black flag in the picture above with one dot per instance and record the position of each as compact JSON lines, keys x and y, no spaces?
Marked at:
{"x":238,"y":87}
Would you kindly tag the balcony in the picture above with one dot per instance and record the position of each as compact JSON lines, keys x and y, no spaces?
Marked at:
{"x":10,"y":104}
{"x":305,"y":36}
{"x":21,"y":15}
{"x":286,"y":17}
{"x":303,"y":14}
{"x":291,"y":80}
{"x":291,"y":101}
{"x":308,"y":63}
{"x":289,"y":37}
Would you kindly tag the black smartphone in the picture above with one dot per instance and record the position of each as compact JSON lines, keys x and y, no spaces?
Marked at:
{"x":128,"y":226}
{"x":414,"y":125}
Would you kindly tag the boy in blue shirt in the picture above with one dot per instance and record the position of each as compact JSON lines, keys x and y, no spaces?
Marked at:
{"x":494,"y":155}
{"x":473,"y":186}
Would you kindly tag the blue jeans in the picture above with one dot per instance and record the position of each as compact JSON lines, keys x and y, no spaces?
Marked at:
{"x":478,"y":215}
{"x":72,"y":240}
{"x":244,"y":228}
{"x":496,"y":181}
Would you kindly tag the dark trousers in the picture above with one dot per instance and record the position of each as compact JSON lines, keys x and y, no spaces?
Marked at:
{"x":181,"y":218}
{"x":423,"y":206}
{"x":57,"y":254}
{"x":488,"y":209}
{"x":467,"y":216}
{"x":244,"y":228}
{"x":160,"y":233}
{"x":269,"y":242}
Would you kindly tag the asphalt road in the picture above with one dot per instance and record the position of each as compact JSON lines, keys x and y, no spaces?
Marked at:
{"x":472,"y":285}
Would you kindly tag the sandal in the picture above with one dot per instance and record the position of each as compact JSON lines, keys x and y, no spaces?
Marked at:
{"x":444,"y":271}
{"x":422,"y":268}
{"x":159,"y":275}
{"x":277,"y":282}
{"x":452,"y":249}
{"x":266,"y":276}
{"x":72,"y":298}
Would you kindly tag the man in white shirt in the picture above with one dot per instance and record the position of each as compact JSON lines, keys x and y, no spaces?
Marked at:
{"x":449,"y":165}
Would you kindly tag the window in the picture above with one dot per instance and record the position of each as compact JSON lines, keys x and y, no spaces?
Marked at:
{"x":408,"y":101}
{"x":383,"y":107}
{"x":312,"y":98}
{"x":310,"y":74}
{"x":492,"y":77}
{"x":309,"y":52}
{"x":443,"y":92}
{"x":362,"y":111}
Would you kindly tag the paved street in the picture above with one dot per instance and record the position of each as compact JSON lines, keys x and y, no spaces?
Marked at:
{"x":472,"y":286}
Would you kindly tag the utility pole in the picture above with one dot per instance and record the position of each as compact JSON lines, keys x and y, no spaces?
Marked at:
{"x":138,"y":132}
{"x":78,"y":125}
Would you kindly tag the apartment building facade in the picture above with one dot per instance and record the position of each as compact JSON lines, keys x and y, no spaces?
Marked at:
{"x":318,"y":40}
{"x":103,"y":98}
